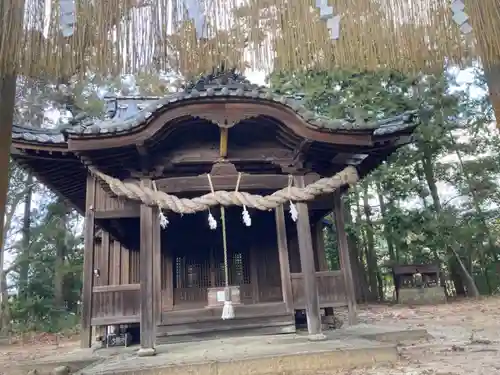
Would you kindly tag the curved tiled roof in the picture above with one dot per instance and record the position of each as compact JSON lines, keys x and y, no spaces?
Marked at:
{"x":32,"y":134}
{"x":226,"y":85}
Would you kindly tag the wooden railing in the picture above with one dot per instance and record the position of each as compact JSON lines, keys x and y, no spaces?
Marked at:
{"x":116,"y":304}
{"x":331,"y":289}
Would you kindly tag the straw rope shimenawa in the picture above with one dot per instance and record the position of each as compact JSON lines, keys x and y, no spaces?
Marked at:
{"x":134,"y":36}
{"x":153,"y":197}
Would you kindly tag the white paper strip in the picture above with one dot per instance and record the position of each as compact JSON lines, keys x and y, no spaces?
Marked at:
{"x":457,"y":6}
{"x":333,"y":25}
{"x":460,"y":18}
{"x":67,"y":19}
{"x":466,"y":28}
{"x":325,"y":13}
{"x":195,"y":11}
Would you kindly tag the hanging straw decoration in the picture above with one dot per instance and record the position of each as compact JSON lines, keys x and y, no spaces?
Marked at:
{"x":212,"y":223}
{"x":228,"y":309}
{"x":293,"y":209}
{"x":247,"y":220}
{"x":192,"y":36}
{"x":163,"y":218}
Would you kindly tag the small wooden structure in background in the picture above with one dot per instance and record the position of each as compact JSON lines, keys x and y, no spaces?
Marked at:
{"x":418,"y":284}
{"x":164,"y":280}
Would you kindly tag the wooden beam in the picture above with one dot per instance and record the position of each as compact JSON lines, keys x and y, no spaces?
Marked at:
{"x":114,"y":320}
{"x":116,"y":288}
{"x":202,"y":154}
{"x":248,"y":182}
{"x":148,"y":326}
{"x":345,"y":260}
{"x":123,"y":213}
{"x":88,"y":264}
{"x":307,"y":265}
{"x":286,"y":281}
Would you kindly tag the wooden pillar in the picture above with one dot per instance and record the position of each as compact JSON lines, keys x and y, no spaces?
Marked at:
{"x":308,"y":271}
{"x":345,"y":260}
{"x":88,"y":264}
{"x":286,"y":281}
{"x":149,"y":242}
{"x":156,"y":236}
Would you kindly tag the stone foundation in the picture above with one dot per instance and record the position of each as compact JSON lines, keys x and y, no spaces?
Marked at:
{"x":422,"y":296}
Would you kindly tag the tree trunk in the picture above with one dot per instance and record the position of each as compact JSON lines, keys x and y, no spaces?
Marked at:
{"x":360,"y":284}
{"x":371,"y":256}
{"x":420,"y":175}
{"x":387,"y":231}
{"x":10,"y":210}
{"x":61,"y":251}
{"x":25,"y":257}
{"x":7,"y":101}
{"x":492,"y":249}
{"x":428,"y":170}
{"x":362,"y":244}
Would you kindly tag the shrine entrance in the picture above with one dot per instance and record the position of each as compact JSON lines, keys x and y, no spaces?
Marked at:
{"x":192,"y":257}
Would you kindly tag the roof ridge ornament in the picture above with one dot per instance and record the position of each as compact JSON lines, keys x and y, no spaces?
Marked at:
{"x":219,"y":78}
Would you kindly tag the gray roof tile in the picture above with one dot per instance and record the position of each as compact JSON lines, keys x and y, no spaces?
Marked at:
{"x":126,"y":113}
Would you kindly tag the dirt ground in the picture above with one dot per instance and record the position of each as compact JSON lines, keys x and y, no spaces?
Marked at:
{"x":466,"y":340}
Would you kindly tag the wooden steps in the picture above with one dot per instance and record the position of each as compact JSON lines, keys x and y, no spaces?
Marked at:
{"x":180,"y":326}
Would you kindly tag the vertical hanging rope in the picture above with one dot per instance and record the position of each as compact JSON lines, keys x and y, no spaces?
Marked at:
{"x":228,"y":309}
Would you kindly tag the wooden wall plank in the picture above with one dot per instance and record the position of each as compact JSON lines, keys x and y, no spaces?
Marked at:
{"x":254,"y":273}
{"x":116,"y":263}
{"x":104,"y":266}
{"x":125,"y":265}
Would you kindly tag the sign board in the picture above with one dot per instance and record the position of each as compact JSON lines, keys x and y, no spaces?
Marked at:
{"x":221,"y":296}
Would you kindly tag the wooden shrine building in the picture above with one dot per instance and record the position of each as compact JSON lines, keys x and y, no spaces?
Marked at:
{"x":168,"y":281}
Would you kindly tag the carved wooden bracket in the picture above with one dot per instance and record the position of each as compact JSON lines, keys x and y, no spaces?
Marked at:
{"x":225,"y":119}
